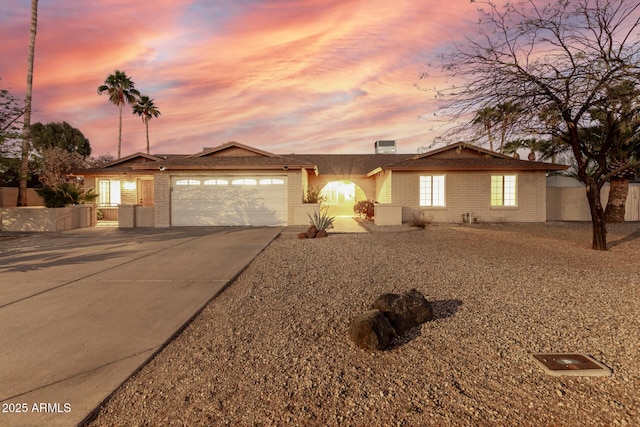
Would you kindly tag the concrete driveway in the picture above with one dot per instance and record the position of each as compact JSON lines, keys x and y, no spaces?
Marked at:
{"x":82,"y":310}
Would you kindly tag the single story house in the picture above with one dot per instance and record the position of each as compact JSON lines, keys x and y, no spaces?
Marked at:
{"x":235,"y":184}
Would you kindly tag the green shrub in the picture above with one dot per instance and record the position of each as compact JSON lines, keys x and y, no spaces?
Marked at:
{"x":364,"y":208}
{"x":65,"y":194}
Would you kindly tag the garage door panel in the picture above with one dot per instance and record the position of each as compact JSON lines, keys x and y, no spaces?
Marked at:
{"x":245,"y":203}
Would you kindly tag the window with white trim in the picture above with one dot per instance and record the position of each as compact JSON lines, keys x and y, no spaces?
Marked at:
{"x":432,"y":190}
{"x":109,"y":192}
{"x":503,"y":190}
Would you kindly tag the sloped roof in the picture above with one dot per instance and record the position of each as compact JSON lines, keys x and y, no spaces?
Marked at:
{"x":461,"y":149}
{"x":233,"y":155}
{"x":227,"y":162}
{"x":462,"y":156}
{"x":229,"y":156}
{"x":133,"y":158}
{"x":472,"y":164}
{"x":126,"y":164}
{"x":233,"y":148}
{"x":349,"y":164}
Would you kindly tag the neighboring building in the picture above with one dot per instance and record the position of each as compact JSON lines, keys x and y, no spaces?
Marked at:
{"x":234,"y":184}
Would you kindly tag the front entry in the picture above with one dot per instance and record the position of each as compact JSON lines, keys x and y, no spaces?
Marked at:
{"x":341,"y":196}
{"x":145,"y":192}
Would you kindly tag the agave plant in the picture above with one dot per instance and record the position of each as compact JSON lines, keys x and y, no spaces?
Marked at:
{"x":321,"y":220}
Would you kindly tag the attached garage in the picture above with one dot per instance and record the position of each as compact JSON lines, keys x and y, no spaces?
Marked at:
{"x":229,"y":200}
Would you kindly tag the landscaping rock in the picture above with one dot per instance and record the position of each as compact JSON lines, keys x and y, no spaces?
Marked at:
{"x":321,"y":233}
{"x":302,"y":235}
{"x":371,"y":330}
{"x":404,"y":311}
{"x":311,"y":232}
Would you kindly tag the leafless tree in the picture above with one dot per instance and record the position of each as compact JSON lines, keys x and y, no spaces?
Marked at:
{"x":56,"y":164}
{"x":560,"y":62}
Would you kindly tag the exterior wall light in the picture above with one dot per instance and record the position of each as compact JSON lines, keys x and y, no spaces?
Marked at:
{"x":130,"y":185}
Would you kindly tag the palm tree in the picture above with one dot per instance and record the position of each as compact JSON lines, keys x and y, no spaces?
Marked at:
{"x":487,"y":117}
{"x":503,"y":114}
{"x":26,"y":144}
{"x":507,"y":114}
{"x":145,"y":108}
{"x":121,"y":90}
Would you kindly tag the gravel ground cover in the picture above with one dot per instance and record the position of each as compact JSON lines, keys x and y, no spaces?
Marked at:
{"x":272,"y":349}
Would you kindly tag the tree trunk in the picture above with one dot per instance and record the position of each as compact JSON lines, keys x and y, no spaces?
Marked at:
{"x":26,"y":143}
{"x":597,"y":218}
{"x":120,"y":131}
{"x":146,"y":124}
{"x":489,"y":134}
{"x":618,"y":191}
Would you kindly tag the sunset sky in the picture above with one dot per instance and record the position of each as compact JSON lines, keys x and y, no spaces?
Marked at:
{"x":303,"y":76}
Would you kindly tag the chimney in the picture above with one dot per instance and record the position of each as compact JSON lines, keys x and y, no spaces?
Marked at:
{"x":385,"y":147}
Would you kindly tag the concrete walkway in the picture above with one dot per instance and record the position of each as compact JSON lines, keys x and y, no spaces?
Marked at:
{"x":81,"y":311}
{"x":347,"y":224}
{"x":341,"y":224}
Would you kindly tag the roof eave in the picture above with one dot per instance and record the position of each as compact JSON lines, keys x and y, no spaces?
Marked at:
{"x":225,"y":167}
{"x":545,"y":168}
{"x":375,"y":171}
{"x":231,"y":144}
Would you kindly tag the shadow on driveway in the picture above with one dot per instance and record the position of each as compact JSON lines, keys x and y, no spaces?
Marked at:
{"x":81,"y":311}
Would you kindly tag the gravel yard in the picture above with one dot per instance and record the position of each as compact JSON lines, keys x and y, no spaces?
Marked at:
{"x":272,"y":349}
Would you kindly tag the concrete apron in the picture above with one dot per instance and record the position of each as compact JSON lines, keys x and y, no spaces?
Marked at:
{"x":81,"y":324}
{"x":346,"y":224}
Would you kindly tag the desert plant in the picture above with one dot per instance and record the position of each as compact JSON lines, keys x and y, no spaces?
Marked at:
{"x":65,"y":194}
{"x":364,"y":208}
{"x":313,"y":196}
{"x":321,"y":220}
{"x":420,"y":221}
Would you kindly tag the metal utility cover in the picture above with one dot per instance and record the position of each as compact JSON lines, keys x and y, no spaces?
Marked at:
{"x":571,"y":364}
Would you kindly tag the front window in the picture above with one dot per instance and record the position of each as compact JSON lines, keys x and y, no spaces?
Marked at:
{"x":503,"y":190}
{"x":432,"y":190}
{"x":109,"y":192}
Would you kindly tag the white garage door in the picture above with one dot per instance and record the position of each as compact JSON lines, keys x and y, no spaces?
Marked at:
{"x":228,"y":200}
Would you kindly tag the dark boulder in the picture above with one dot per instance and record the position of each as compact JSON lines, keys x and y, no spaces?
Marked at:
{"x":404,"y":311}
{"x":311,"y":232}
{"x":371,"y":330}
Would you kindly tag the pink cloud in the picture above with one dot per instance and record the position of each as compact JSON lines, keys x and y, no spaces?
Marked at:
{"x":299,"y":76}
